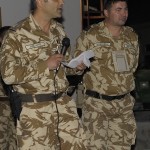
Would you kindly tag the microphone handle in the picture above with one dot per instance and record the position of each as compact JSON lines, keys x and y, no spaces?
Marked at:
{"x":63,"y":50}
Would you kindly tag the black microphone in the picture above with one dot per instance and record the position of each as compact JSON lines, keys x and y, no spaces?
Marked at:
{"x":65,"y":45}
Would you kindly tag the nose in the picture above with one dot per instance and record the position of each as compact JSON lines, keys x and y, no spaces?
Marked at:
{"x":125,"y":12}
{"x":61,"y":1}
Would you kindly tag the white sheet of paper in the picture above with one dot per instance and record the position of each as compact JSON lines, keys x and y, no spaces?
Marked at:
{"x":83,"y":57}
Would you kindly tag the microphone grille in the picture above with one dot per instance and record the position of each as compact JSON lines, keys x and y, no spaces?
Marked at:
{"x":66,"y":42}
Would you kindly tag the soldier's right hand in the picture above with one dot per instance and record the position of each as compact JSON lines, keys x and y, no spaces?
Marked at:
{"x":54,"y":61}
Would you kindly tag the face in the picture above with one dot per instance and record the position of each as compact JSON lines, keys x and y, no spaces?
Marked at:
{"x":118,"y":13}
{"x":52,"y":8}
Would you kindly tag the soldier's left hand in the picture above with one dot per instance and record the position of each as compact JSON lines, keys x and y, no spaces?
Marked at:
{"x":81,"y":67}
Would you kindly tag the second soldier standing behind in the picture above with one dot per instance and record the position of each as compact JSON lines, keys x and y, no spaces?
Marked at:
{"x":30,"y":59}
{"x":107,"y":115}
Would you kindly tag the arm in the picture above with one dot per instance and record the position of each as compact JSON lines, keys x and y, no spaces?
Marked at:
{"x":16,"y":68}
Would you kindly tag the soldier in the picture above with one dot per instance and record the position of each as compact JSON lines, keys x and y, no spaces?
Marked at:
{"x":7,"y":127}
{"x":108,"y":116}
{"x":31,"y":62}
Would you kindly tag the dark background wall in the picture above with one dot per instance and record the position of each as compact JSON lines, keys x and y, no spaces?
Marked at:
{"x":138,"y":12}
{"x":139,"y":19}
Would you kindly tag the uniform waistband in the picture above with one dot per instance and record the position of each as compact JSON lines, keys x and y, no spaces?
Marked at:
{"x":101,"y":96}
{"x":39,"y":97}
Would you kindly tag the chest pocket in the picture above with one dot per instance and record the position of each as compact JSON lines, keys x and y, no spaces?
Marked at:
{"x":102,"y":53}
{"x":34,"y":52}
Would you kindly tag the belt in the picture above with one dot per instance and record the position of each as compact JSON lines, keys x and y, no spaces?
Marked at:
{"x":4,"y":99}
{"x":101,"y":96}
{"x":39,"y":97}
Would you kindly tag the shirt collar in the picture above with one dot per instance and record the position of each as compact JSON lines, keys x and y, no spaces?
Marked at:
{"x":34,"y":24}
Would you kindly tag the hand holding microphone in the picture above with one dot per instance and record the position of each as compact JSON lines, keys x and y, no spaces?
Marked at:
{"x":54,"y":61}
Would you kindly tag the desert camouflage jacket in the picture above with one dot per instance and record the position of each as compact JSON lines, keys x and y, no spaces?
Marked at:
{"x":24,"y":52}
{"x":110,"y":53}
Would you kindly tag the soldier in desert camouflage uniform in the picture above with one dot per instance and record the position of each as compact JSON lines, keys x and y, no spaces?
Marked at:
{"x":7,"y":127}
{"x":30,"y":59}
{"x":108,"y":106}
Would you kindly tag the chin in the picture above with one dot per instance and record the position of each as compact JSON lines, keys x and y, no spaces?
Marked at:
{"x":59,"y":15}
{"x":122,"y":23}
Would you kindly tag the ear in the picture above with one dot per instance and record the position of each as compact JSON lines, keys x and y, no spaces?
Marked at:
{"x":106,"y":12}
{"x":39,"y":2}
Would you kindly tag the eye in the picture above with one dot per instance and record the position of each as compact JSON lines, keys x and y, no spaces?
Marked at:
{"x":118,"y":9}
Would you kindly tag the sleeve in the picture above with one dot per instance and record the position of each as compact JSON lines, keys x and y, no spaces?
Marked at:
{"x":142,"y":51}
{"x":134,"y":39}
{"x":137,"y":46}
{"x":137,"y":58}
{"x":13,"y":68}
{"x":82,"y":44}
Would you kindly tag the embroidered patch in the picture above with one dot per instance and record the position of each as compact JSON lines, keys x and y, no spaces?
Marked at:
{"x":101,"y":44}
{"x":32,"y":46}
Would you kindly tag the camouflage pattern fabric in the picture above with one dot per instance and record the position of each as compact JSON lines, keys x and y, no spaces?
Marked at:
{"x":104,"y":79}
{"x":37,"y":128}
{"x":7,"y":128}
{"x":109,"y":125}
{"x":102,"y":76}
{"x":24,"y":51}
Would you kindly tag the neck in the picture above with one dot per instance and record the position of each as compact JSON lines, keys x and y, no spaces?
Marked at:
{"x":43,"y":22}
{"x":114,"y":30}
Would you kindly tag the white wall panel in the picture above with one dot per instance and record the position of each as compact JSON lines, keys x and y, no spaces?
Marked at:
{"x":16,"y":10}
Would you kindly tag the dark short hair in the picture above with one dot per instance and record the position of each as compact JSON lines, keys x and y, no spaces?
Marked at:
{"x":33,"y":5}
{"x":108,"y":3}
{"x":3,"y":30}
